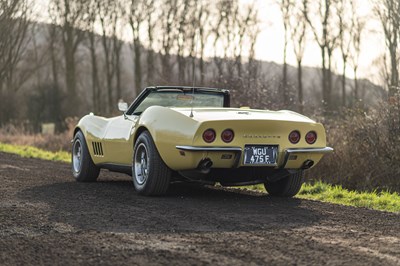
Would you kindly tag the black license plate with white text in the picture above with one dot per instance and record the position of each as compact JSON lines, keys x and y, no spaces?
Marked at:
{"x":260,"y":154}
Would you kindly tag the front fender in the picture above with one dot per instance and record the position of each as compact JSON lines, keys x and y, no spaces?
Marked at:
{"x":93,"y":129}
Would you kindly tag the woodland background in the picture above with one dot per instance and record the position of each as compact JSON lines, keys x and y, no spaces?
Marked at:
{"x":90,"y":54}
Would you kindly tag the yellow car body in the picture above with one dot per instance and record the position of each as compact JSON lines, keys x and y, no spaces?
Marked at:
{"x":177,"y":133}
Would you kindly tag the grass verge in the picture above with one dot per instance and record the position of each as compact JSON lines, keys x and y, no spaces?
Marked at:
{"x":383,"y":201}
{"x":320,"y":191}
{"x":32,"y":152}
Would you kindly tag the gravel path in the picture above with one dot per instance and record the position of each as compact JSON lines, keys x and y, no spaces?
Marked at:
{"x":46,"y":218}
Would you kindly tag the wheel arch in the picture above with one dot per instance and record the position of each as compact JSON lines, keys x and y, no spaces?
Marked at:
{"x":168,"y":128}
{"x":80,"y":128}
{"x":76,"y":130}
{"x":139,"y":131}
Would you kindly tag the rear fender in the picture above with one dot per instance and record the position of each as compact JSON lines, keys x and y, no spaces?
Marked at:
{"x":168,"y":129}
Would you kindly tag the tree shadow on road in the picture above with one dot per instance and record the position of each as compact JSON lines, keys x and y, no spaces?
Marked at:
{"x":114,"y":206}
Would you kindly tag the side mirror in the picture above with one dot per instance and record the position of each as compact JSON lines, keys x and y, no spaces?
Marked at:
{"x":122,"y":106}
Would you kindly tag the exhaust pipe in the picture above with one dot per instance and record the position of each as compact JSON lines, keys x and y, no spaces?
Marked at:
{"x":205,"y":166}
{"x":308,"y":164}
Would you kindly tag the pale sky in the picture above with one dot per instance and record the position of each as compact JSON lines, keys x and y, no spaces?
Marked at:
{"x":269,"y":46}
{"x":270,"y":42}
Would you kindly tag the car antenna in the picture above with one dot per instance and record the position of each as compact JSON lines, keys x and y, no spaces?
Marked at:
{"x":193,"y":71}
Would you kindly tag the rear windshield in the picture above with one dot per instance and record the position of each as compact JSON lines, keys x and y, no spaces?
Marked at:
{"x":181,"y":99}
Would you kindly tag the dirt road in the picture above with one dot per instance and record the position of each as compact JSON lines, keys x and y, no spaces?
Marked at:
{"x":47,"y":218}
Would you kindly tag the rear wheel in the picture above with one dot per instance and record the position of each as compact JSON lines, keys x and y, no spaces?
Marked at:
{"x":286,"y":187}
{"x":151,"y":176}
{"x":83,"y":168}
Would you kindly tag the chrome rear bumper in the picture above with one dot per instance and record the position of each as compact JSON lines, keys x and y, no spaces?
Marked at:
{"x":238,"y":151}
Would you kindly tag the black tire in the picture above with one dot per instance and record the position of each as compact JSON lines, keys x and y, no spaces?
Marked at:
{"x":288,"y":186}
{"x":151,"y":176}
{"x":83,"y":168}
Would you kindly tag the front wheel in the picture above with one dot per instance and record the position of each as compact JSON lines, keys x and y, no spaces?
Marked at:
{"x":83,"y":168}
{"x":288,"y":186}
{"x":151,"y":176}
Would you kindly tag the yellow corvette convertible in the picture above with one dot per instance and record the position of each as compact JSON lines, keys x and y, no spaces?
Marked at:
{"x":173,"y":134}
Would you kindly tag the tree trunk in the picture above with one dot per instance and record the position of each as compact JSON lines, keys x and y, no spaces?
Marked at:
{"x":300,"y":85}
{"x":324,"y":80}
{"x":329,"y":82}
{"x":95,"y":75}
{"x":70,"y":77}
{"x":344,"y":84}
{"x":285,"y":92}
{"x":109,"y":74}
{"x":394,"y":81}
{"x":118,"y":74}
{"x":355,"y":85}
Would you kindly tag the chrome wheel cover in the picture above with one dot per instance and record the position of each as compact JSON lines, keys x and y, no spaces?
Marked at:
{"x":77,"y":156}
{"x":141,"y":164}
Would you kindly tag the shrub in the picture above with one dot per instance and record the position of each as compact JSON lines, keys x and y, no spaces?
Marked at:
{"x":367,"y":150}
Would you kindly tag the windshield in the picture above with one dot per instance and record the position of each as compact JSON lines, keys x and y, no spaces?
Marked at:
{"x":180,"y":98}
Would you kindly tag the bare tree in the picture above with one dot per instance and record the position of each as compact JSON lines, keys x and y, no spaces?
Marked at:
{"x":92,"y":45}
{"x":13,"y":28}
{"x":151,"y":24}
{"x":137,"y":15}
{"x":355,"y":48}
{"x":252,"y":69}
{"x":118,"y":23}
{"x":229,"y":34}
{"x":321,"y":18}
{"x":69,"y":14}
{"x":183,"y":34}
{"x":217,"y":31}
{"x":13,"y":31}
{"x":52,"y":40}
{"x":298,"y":32}
{"x":285,"y":6}
{"x":203,"y":14}
{"x":225,"y":33}
{"x":245,"y":20}
{"x":388,"y":12}
{"x":108,"y":16}
{"x":168,"y":27}
{"x":346,"y":12}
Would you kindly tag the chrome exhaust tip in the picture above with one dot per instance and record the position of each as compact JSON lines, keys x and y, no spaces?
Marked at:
{"x":307,"y":164}
{"x":205,"y":166}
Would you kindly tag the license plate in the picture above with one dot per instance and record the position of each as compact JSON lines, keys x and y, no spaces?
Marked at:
{"x":260,"y":154}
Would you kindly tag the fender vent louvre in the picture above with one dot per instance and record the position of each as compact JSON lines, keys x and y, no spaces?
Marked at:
{"x":97,"y":149}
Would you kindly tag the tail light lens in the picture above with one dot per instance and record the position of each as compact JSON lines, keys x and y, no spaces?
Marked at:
{"x":294,"y":136}
{"x":311,"y":137}
{"x":209,"y":135}
{"x":227,"y":135}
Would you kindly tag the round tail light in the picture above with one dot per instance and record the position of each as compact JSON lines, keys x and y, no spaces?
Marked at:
{"x":311,"y":137}
{"x":294,"y":136}
{"x":227,"y":135}
{"x":209,"y":135}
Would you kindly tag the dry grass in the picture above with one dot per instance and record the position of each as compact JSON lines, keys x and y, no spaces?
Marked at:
{"x":20,"y":135}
